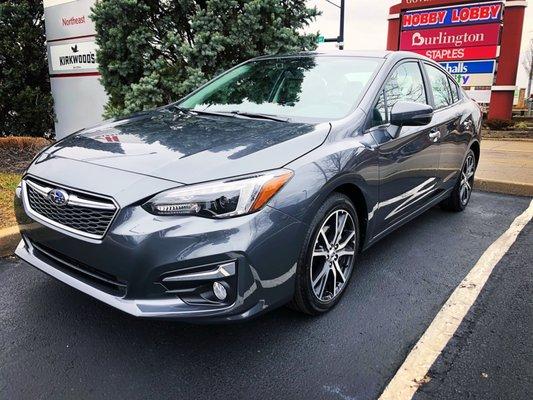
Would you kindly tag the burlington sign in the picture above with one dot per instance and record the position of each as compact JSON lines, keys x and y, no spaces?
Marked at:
{"x":475,"y":35}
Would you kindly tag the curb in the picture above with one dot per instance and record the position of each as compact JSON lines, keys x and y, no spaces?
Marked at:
{"x":514,"y":188}
{"x":506,"y":139}
{"x":9,"y":239}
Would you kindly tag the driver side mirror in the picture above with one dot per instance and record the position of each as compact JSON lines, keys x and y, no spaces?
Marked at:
{"x":407,"y":113}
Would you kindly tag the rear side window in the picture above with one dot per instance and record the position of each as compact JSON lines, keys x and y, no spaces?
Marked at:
{"x":440,"y":85}
{"x":454,"y":89}
{"x":404,"y":84}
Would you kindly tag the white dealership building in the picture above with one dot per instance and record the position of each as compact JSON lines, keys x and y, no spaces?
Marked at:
{"x":79,"y":98}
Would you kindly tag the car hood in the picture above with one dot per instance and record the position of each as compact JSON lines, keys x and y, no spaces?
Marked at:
{"x":189,"y":148}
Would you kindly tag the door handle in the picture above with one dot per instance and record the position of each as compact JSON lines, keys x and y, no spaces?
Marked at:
{"x":434,"y":135}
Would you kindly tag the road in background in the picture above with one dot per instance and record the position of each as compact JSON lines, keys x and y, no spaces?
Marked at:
{"x":58,"y":343}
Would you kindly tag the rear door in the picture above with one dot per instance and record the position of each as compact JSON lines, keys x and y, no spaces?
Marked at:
{"x":408,"y":160}
{"x":454,"y":124}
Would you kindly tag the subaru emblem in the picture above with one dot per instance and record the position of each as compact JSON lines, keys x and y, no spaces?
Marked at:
{"x":58,"y":197}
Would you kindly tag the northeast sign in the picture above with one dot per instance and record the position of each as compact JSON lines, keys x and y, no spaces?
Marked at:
{"x":69,"y":20}
{"x":453,"y":16}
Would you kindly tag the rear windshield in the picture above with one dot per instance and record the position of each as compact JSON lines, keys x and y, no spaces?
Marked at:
{"x":301,"y":87}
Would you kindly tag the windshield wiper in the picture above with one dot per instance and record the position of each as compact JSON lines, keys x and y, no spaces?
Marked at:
{"x":259,"y":115}
{"x":234,"y":114}
{"x":191,"y":111}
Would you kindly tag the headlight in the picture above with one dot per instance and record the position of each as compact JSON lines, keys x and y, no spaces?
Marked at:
{"x":221,"y":199}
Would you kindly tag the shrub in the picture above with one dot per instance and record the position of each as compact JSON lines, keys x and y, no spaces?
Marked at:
{"x":17,"y":152}
{"x":19,"y":143}
{"x":521,"y":126}
{"x":25,"y":98}
{"x":153,"y":52}
{"x":496,"y":124}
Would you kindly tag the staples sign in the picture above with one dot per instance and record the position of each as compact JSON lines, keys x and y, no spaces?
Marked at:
{"x":460,"y":53}
{"x":453,"y":16}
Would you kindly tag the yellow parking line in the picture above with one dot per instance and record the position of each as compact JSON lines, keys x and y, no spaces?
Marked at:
{"x":414,"y":369}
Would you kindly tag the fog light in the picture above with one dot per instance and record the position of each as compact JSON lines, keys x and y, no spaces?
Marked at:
{"x":220,"y":291}
{"x":18,"y":190}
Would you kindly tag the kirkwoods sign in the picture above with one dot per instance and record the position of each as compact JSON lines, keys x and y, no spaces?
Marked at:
{"x":75,"y":56}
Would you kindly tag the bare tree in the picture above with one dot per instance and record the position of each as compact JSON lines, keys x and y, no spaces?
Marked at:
{"x":527,"y":63}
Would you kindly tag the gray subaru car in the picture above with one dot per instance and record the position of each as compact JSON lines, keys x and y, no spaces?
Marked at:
{"x":257,"y":190}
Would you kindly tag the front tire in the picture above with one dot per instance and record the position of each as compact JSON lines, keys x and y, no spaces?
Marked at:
{"x":460,"y":195}
{"x":327,"y":259}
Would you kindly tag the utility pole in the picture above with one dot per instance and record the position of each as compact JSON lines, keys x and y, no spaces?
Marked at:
{"x":339,"y":39}
{"x":341,"y":28}
{"x":529,"y":98}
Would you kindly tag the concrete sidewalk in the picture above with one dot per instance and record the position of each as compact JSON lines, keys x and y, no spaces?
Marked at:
{"x":506,"y":166}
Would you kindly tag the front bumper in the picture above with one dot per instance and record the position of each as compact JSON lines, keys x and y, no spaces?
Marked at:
{"x":139,"y":308}
{"x":141,"y":250}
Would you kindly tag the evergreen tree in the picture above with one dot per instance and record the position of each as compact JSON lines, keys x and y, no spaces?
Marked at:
{"x":26,"y":105}
{"x":152,"y":52}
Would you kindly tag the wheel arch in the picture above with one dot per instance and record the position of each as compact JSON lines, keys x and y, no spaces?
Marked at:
{"x":475,"y":147}
{"x":356,"y":195}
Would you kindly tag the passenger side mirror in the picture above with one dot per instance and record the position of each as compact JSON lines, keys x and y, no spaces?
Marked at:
{"x":407,"y":113}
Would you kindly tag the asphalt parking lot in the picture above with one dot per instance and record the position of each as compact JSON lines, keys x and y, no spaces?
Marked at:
{"x":58,"y":343}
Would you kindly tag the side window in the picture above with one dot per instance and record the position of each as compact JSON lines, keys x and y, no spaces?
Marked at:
{"x":379,"y":112}
{"x":455,"y":94}
{"x":404,"y":84}
{"x":441,"y":87}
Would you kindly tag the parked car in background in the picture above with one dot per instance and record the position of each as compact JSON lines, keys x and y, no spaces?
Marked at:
{"x":257,"y":190}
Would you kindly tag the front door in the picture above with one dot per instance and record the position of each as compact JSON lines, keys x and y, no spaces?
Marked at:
{"x":408,"y":159}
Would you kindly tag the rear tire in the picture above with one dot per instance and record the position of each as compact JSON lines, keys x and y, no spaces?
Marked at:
{"x":460,"y":195}
{"x":328,"y":256}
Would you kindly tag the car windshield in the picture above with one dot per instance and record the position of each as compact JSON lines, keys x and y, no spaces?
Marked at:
{"x":317,"y":88}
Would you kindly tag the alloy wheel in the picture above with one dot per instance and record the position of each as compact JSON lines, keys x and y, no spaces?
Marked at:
{"x":333,"y":254}
{"x":467,"y":179}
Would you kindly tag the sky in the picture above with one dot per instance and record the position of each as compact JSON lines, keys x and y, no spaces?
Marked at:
{"x":366,"y":26}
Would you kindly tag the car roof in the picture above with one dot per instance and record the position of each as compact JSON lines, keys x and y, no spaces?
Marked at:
{"x":331,"y":53}
{"x":384,"y":54}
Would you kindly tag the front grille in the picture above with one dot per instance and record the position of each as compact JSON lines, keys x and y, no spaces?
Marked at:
{"x":87,"y":215}
{"x":102,"y":280}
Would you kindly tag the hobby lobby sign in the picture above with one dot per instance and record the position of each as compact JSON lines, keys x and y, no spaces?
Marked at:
{"x":453,"y":16}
